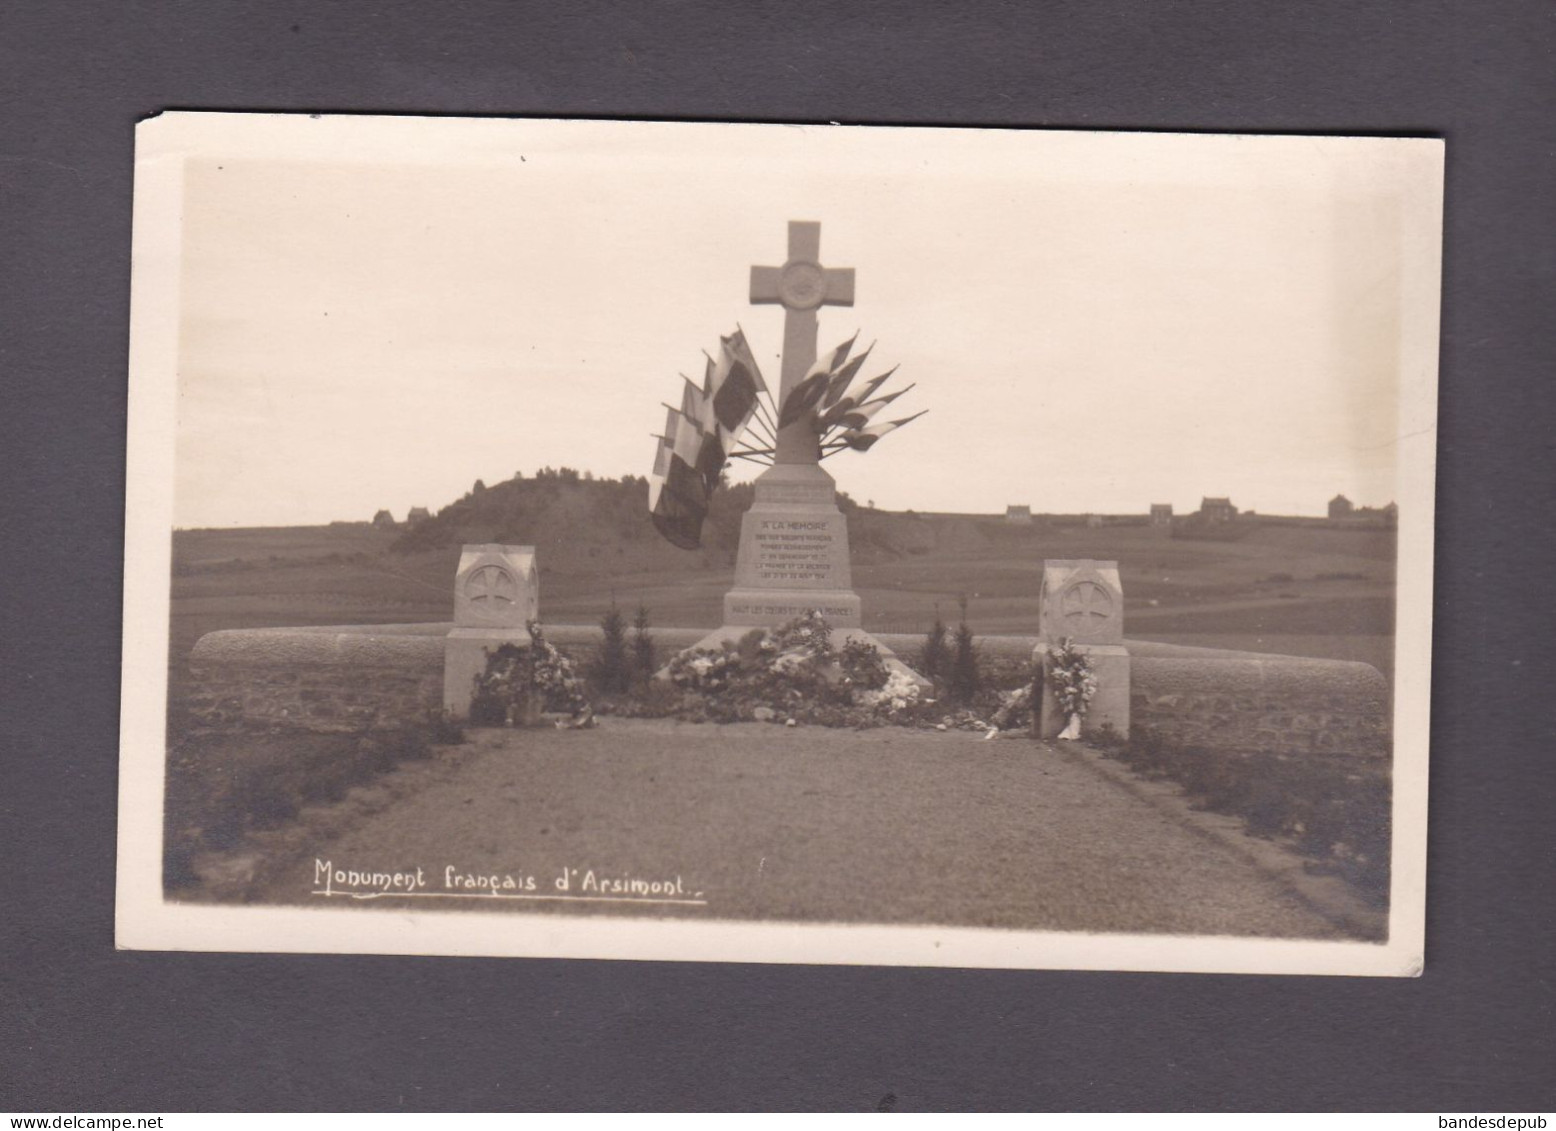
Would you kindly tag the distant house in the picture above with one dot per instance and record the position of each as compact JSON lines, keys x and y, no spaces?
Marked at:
{"x":1377,"y":516}
{"x":383,"y":520}
{"x":416,"y":514}
{"x":1018,"y":515}
{"x":1340,"y":507}
{"x":1094,"y":521}
{"x":1161,"y":514}
{"x":1217,"y":509}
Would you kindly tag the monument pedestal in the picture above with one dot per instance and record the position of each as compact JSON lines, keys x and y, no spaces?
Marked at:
{"x":465,"y":652}
{"x":793,"y":552}
{"x":793,"y":559}
{"x":1108,"y":707}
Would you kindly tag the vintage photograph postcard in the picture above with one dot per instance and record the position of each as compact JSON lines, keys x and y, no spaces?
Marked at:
{"x":763,"y":543}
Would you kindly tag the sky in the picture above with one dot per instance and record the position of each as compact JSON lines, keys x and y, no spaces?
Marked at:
{"x":377,"y":312}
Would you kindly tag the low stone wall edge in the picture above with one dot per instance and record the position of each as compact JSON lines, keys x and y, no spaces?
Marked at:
{"x":332,"y":676}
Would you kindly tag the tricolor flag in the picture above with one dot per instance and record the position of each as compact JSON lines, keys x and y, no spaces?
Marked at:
{"x":698,"y":437}
{"x":811,"y":388}
{"x":802,"y":399}
{"x":836,"y":413}
{"x":656,"y":481}
{"x":693,"y":401}
{"x":833,"y":359}
{"x":839,"y":382}
{"x":862,"y":439}
{"x":735,"y":382}
{"x":678,"y":496}
{"x":856,"y":418}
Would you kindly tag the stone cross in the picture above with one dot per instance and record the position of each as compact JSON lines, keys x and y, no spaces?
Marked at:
{"x":802,"y":284}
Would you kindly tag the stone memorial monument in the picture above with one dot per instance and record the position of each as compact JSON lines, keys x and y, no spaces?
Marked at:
{"x":1082,"y":600}
{"x":793,"y":553}
{"x":496,"y":592}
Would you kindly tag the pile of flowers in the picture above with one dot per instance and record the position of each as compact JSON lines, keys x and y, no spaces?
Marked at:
{"x":520,"y":684}
{"x":1072,"y":681}
{"x":896,"y":695}
{"x":792,"y":672}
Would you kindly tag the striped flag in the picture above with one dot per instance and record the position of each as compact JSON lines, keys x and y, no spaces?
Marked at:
{"x":693,"y":400}
{"x":856,"y":418}
{"x":847,"y":404}
{"x":833,"y":359}
{"x":735,"y":384}
{"x":656,"y":479}
{"x":839,"y":382}
{"x":810,"y":389}
{"x":863,"y":439}
{"x":678,"y":498}
{"x":802,"y":399}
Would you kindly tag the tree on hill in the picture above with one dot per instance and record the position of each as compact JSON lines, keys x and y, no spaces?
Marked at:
{"x":593,"y":522}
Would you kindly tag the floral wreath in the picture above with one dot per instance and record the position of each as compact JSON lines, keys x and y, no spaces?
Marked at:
{"x":1071,"y":677}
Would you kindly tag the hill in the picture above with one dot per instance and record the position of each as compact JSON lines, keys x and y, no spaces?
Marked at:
{"x":582,"y":525}
{"x":577,"y":524}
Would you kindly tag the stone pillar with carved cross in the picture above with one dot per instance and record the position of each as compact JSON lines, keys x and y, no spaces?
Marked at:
{"x":793,"y":555}
{"x":496,"y":594}
{"x":1082,"y":600}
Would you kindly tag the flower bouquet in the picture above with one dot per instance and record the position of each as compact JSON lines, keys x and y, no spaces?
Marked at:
{"x":1072,"y":681}
{"x":519,"y":684}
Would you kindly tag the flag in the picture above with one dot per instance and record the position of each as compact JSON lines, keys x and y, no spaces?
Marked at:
{"x":693,"y":400}
{"x":710,"y":460}
{"x":840,"y":380}
{"x":848,"y":403}
{"x":856,"y":418}
{"x":809,"y":390}
{"x":680,"y":509}
{"x":678,"y":500}
{"x":656,"y":479}
{"x":702,"y":451}
{"x":736,"y":381}
{"x":802,"y":399}
{"x":863,"y":439}
{"x":830,"y":361}
{"x":873,"y":384}
{"x":742,"y":350}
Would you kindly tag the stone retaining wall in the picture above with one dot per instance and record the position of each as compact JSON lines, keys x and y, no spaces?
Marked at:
{"x":348,"y":677}
{"x":1275,"y":704}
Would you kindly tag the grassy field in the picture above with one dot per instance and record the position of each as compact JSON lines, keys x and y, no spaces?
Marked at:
{"x":1296,"y":590}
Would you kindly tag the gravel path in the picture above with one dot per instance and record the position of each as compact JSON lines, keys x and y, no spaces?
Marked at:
{"x":766,"y":822}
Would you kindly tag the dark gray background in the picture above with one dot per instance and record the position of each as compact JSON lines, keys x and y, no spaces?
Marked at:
{"x":84,"y":1028}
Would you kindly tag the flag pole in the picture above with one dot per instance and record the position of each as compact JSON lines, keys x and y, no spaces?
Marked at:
{"x":766,"y":437}
{"x":766,"y":418}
